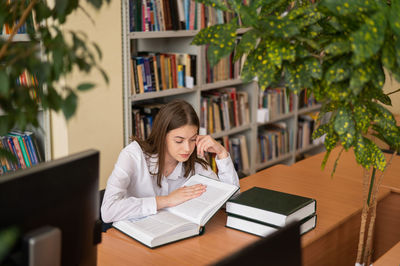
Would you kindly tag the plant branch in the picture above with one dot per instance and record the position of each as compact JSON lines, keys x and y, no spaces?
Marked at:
{"x":371,"y":185}
{"x":368,"y":253}
{"x":387,"y":94}
{"x":22,"y":55}
{"x":17,"y":26}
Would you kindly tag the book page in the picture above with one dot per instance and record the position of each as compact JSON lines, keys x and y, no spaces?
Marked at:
{"x":199,"y":209}
{"x":159,"y":224}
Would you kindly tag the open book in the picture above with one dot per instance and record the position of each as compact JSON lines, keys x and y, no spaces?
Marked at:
{"x":181,"y":221}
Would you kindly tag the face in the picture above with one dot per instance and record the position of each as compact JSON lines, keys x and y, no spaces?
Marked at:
{"x":181,"y":143}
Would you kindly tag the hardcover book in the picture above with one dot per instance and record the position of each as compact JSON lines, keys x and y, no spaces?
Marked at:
{"x":182,"y":221}
{"x":269,"y":206}
{"x":263,"y":229}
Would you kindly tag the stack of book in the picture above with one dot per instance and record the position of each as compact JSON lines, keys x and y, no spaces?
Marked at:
{"x":261,"y":211}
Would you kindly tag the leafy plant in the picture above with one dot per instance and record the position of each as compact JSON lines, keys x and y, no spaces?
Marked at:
{"x":8,"y":238}
{"x":49,"y":56}
{"x":338,"y":50}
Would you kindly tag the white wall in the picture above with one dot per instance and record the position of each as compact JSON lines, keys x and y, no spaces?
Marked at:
{"x":98,"y":122}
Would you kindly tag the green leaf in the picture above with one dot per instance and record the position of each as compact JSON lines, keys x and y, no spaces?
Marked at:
{"x":392,"y":137}
{"x":301,"y":51}
{"x":378,"y":75}
{"x":325,"y":160}
{"x":346,"y":7}
{"x":85,"y":86}
{"x":279,"y":51}
{"x":362,"y":117}
{"x":383,"y":98}
{"x":368,"y":154}
{"x":345,"y":127}
{"x":367,"y":41}
{"x":360,"y":75}
{"x":4,"y":153}
{"x":314,"y":67}
{"x":4,"y":84}
{"x":267,"y":74}
{"x":5,"y":124}
{"x":313,"y":44}
{"x":397,"y":53}
{"x":338,"y":46}
{"x":96,"y":3}
{"x":248,"y":15}
{"x":246,"y":44}
{"x":104,"y":74}
{"x":8,"y":238}
{"x":279,"y":27}
{"x":297,"y":77}
{"x":331,"y":139}
{"x":306,"y":16}
{"x":69,"y":105}
{"x":338,"y":71}
{"x":221,"y":38}
{"x":320,"y":131}
{"x":334,"y":23}
{"x":394,"y":18}
{"x":60,"y":7}
{"x":383,"y":117}
{"x":98,"y":50}
{"x":218,"y":4}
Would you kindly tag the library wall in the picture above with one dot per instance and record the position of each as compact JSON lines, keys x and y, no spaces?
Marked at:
{"x":98,"y":122}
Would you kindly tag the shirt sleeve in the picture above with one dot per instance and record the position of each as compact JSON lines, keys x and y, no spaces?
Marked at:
{"x":117,"y":203}
{"x":226,"y":171}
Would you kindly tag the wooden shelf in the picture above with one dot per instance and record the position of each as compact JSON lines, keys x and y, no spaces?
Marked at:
{"x":309,"y":109}
{"x":287,"y":156}
{"x":221,"y":84}
{"x":20,"y":37}
{"x":277,"y":118}
{"x":160,"y":94}
{"x":309,"y":148}
{"x":231,"y":131}
{"x":162,"y":34}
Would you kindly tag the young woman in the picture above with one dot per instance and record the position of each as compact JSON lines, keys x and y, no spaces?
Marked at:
{"x":148,"y":174}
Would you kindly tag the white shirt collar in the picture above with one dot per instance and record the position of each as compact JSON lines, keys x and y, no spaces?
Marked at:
{"x":179,"y":170}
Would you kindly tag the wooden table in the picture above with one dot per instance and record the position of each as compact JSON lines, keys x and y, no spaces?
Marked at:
{"x":332,"y":242}
{"x":390,"y":258}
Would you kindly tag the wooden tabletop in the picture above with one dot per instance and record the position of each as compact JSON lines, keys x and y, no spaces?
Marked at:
{"x":390,"y":258}
{"x":339,"y":200}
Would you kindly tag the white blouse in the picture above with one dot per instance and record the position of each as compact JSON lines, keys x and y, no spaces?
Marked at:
{"x":131,"y":188}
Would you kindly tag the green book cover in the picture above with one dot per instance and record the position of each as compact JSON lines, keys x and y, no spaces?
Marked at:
{"x":270,"y":206}
{"x":22,"y":146}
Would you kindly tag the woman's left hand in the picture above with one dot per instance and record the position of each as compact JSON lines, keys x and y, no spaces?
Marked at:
{"x":205,"y":143}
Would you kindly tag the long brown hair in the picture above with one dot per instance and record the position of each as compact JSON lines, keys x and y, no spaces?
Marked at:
{"x":174,"y":114}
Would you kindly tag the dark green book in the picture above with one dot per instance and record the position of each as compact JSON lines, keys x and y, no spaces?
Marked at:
{"x":264,"y":229}
{"x":270,"y":206}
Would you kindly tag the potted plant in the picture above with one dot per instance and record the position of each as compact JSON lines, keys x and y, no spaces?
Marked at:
{"x":339,"y":50}
{"x":50,"y":54}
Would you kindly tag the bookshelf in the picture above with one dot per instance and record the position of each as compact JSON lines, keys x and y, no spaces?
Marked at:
{"x":42,"y":133}
{"x":179,"y":42}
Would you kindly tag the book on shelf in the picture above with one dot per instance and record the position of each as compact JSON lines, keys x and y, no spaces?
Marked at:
{"x":270,"y":206}
{"x":24,"y":147}
{"x":182,"y":221}
{"x":263,"y":229}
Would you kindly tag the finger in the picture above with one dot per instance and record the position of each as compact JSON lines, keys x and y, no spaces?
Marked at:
{"x":200,"y":150}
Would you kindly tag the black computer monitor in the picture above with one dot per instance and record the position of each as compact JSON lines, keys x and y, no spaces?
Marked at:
{"x":61,"y":194}
{"x":282,"y":247}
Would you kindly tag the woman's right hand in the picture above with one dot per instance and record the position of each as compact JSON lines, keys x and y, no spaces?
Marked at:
{"x":180,"y":195}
